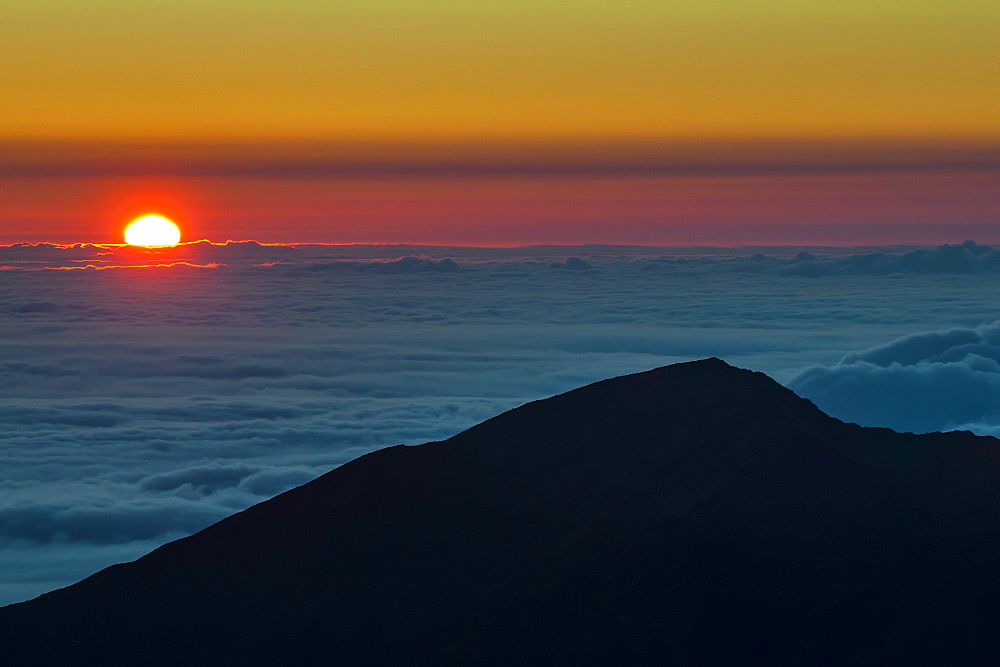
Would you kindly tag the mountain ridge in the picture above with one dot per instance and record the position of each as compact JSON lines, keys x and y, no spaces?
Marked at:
{"x":688,"y":512}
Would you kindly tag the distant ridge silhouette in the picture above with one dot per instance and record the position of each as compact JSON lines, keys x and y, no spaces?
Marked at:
{"x":696,"y":513}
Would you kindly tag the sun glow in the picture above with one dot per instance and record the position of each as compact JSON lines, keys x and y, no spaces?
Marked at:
{"x":152,"y":231}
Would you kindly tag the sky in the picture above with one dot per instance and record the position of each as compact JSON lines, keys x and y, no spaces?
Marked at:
{"x":471,"y":123}
{"x":403,"y":218}
{"x":305,"y":69}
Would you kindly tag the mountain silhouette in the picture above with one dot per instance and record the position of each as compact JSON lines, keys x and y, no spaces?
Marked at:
{"x":695,"y":513}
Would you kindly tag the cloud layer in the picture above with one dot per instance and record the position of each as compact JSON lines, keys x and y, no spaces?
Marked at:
{"x":933,"y":381}
{"x":967,"y":257}
{"x":140,"y":404}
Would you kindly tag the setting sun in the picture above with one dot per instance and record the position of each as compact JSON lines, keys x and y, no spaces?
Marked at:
{"x":152,"y":231}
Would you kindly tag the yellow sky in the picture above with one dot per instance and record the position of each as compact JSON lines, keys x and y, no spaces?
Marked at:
{"x":442,"y":69}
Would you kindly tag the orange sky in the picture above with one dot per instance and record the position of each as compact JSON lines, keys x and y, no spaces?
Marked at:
{"x":400,"y":89}
{"x":260,"y":70}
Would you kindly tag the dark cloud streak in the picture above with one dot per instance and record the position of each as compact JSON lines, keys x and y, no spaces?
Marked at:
{"x":515,"y":159}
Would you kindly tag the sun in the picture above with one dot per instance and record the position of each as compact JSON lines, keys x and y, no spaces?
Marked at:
{"x":152,"y":231}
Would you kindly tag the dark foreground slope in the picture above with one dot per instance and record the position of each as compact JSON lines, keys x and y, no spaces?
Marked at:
{"x":696,"y":512}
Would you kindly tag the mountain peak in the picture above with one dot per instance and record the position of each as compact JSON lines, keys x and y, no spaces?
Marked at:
{"x":694,"y":512}
{"x":709,"y":391}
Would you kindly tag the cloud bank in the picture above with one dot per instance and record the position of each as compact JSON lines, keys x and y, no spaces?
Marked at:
{"x":967,"y":257}
{"x":933,"y":381}
{"x":139,"y":404}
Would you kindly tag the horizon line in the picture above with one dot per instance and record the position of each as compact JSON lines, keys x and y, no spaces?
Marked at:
{"x":153,"y":249}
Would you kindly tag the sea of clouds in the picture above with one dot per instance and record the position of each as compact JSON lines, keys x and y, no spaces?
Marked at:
{"x":145,"y":394}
